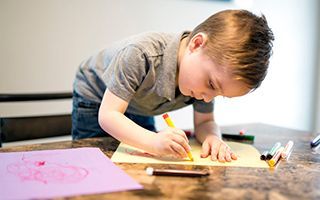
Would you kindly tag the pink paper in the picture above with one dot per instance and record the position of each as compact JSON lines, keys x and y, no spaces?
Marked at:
{"x":57,"y":173}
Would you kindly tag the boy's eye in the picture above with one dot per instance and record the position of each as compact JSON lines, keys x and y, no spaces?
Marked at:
{"x":212,"y":85}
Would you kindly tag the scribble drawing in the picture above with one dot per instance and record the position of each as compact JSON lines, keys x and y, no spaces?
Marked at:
{"x":170,"y":158}
{"x":33,"y":168}
{"x":139,"y":153}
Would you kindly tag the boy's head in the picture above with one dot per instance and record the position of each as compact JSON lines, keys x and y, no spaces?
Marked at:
{"x":236,"y":41}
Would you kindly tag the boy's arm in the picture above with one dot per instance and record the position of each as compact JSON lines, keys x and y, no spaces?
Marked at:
{"x":205,"y":125}
{"x":208,"y":133}
{"x":113,"y":121}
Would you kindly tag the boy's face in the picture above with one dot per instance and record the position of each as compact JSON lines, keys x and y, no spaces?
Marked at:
{"x":201,"y":78}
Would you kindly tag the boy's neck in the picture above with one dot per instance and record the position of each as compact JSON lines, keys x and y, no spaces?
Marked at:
{"x":182,"y":48}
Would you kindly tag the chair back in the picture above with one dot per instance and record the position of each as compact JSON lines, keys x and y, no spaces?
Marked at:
{"x":34,"y":127}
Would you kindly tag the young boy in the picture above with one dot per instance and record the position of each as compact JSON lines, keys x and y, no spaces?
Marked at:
{"x":121,"y":88}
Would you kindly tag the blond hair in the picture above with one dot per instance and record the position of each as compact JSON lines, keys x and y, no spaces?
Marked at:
{"x":241,"y":40}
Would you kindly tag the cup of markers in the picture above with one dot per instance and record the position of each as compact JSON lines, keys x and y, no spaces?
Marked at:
{"x":277,"y":152}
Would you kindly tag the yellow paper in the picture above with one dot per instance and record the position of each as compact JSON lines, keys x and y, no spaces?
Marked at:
{"x":248,"y":156}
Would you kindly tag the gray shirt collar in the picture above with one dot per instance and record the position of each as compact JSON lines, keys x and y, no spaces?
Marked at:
{"x":167,"y":83}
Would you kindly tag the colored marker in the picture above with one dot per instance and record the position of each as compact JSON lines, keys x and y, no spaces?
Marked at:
{"x":264,"y":155}
{"x":273,"y":161}
{"x":170,"y":124}
{"x":242,"y":132}
{"x":315,"y":142}
{"x":287,"y":150}
{"x":176,"y":172}
{"x":273,"y":150}
{"x":238,"y":137}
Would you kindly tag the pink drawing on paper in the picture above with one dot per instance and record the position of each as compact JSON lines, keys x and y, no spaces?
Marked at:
{"x":39,"y":169}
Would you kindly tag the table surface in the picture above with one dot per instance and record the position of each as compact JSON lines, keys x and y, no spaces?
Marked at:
{"x":298,"y":178}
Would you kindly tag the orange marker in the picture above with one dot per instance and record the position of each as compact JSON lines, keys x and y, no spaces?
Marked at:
{"x":170,"y":124}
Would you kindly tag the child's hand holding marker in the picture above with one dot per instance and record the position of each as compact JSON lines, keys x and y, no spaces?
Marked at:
{"x":175,"y":144}
{"x":171,"y":141}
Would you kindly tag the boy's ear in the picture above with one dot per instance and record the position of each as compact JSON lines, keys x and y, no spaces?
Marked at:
{"x":198,"y":41}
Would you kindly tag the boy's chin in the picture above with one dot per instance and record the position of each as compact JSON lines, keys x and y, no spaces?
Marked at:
{"x":184,"y":93}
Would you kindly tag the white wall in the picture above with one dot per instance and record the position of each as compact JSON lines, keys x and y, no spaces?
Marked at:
{"x":43,"y":42}
{"x":317,"y":82}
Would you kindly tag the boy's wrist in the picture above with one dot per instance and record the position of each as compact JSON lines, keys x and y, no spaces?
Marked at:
{"x":147,"y":141}
{"x":207,"y":130}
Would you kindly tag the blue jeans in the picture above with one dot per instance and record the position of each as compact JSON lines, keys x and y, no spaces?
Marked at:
{"x":85,"y":119}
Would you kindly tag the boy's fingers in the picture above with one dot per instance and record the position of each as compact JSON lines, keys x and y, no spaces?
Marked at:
{"x":181,"y":133}
{"x":228,"y":155}
{"x":205,"y":150}
{"x":179,"y":150}
{"x":222,"y":153}
{"x":214,"y":152}
{"x":234,"y":156}
{"x":182,"y":142}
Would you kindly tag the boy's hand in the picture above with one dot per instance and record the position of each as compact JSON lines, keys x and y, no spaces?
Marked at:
{"x":171,"y":141}
{"x":218,"y":149}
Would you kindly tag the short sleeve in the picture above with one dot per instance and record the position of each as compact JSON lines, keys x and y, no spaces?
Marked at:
{"x":203,"y":107}
{"x":126,"y":72}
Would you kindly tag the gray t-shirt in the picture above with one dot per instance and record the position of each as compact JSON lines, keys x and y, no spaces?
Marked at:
{"x":140,"y":70}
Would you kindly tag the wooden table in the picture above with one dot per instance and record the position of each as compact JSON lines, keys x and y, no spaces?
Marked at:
{"x":298,"y":178}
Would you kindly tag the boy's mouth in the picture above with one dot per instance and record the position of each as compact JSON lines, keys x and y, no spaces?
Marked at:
{"x":191,"y":94}
{"x":195,"y":96}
